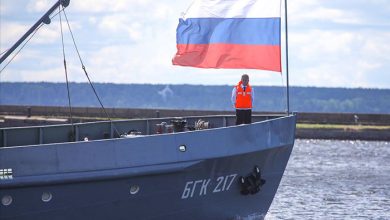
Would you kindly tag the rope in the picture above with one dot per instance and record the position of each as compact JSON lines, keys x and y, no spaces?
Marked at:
{"x":66,"y":75}
{"x":5,"y":51}
{"x":86,"y":74}
{"x":74,"y":42}
{"x":81,"y":61}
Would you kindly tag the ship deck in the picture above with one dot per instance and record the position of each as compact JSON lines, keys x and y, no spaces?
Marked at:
{"x":89,"y":131}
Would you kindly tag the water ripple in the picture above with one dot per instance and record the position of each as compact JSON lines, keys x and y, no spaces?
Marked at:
{"x":335,"y":180}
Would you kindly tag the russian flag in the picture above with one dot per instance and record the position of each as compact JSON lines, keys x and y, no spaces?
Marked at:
{"x":239,"y":34}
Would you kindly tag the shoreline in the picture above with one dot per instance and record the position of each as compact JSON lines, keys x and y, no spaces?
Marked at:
{"x":343,"y":134}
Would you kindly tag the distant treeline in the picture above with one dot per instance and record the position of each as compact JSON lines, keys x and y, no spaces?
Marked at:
{"x":267,"y":98}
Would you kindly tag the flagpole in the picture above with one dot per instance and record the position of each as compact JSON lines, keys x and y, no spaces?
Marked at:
{"x":286,"y":29}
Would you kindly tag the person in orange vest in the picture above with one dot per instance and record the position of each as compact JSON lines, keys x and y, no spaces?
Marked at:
{"x":242,"y":99}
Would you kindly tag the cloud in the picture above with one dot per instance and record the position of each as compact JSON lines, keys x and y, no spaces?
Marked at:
{"x":377,"y":46}
{"x":338,"y":58}
{"x":39,"y":5}
{"x":306,"y":11}
{"x":320,"y":45}
{"x":47,"y":34}
{"x":12,"y":29}
{"x":102,"y":6}
{"x":331,"y":43}
{"x":119,"y":24}
{"x":330,"y":15}
{"x":9,"y":32}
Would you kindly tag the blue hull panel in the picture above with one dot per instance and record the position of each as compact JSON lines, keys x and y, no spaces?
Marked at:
{"x":149,"y":177}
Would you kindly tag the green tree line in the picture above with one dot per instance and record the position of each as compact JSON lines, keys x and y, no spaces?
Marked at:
{"x":196,"y":97}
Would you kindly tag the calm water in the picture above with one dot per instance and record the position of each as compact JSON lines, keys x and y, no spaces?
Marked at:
{"x":335,"y":180}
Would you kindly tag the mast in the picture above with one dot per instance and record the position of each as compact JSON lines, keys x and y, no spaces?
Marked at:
{"x":286,"y":29}
{"x":44,"y":19}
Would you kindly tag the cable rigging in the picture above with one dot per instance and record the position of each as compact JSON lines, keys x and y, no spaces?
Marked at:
{"x":86,"y":74}
{"x":66,"y":75}
{"x":30,"y":34}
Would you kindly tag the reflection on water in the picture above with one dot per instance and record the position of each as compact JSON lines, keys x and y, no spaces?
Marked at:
{"x":335,"y":180}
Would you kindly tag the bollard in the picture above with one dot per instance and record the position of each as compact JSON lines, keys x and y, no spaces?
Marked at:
{"x":28,"y":112}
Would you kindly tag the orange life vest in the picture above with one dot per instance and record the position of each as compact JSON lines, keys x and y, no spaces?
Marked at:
{"x":243,"y":98}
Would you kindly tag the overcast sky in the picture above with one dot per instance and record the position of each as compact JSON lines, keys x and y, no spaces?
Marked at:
{"x":332,"y":43}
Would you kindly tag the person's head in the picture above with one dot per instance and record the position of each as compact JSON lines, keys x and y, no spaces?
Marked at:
{"x":245,"y":79}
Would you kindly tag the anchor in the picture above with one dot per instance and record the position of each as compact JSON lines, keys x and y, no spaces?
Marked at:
{"x":252,"y":183}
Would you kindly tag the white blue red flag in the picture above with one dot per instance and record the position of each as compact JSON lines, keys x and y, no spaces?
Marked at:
{"x":239,"y":34}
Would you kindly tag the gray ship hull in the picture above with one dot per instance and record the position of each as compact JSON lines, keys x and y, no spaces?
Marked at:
{"x":186,"y":175}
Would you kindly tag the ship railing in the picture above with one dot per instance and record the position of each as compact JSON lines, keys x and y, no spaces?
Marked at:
{"x":36,"y":135}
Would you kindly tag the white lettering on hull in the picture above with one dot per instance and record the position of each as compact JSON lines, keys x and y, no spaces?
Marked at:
{"x":201,"y":187}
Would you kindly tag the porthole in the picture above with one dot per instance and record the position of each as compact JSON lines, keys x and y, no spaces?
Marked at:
{"x":6,"y":200}
{"x":182,"y":148}
{"x":46,"y":197}
{"x":134,"y":189}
